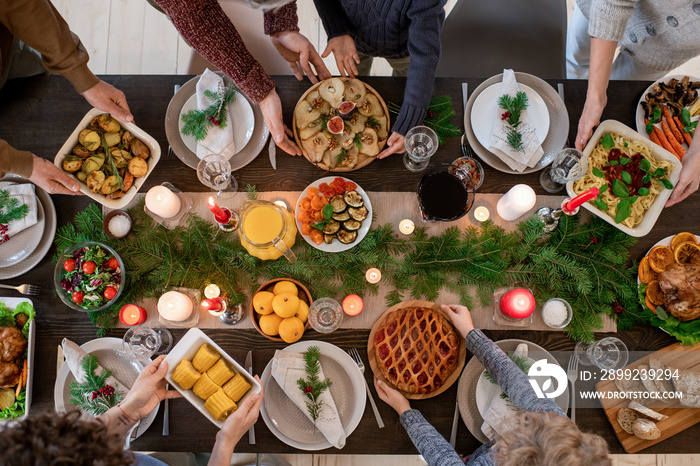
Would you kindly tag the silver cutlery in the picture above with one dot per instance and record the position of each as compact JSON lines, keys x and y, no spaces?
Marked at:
{"x":560,"y":90}
{"x":24,"y":289}
{"x":166,"y":414}
{"x":355,"y":355}
{"x":170,"y":149}
{"x":572,"y":375}
{"x":455,"y":420}
{"x":467,"y":150}
{"x":272,"y":149}
{"x":249,"y":368}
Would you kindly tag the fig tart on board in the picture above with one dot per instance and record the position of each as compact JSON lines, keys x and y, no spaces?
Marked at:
{"x":415,"y":348}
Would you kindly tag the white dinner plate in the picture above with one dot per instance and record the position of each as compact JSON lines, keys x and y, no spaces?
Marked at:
{"x":111,"y":356}
{"x":641,"y":126}
{"x":336,"y":246}
{"x":26,"y":241}
{"x":486,"y":107}
{"x":289,"y":424}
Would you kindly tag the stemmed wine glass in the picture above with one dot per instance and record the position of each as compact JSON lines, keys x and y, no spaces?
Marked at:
{"x":421,"y":143}
{"x":144,"y":342}
{"x":609,"y":353}
{"x":214,"y":171}
{"x":568,"y":165}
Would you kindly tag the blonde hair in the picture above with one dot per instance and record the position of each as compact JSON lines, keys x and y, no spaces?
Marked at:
{"x":548,"y":439}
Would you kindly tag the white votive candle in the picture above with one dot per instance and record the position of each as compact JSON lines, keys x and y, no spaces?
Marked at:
{"x":481,"y":214}
{"x":175,"y":306}
{"x":162,"y":202}
{"x":373,"y":275}
{"x":406,"y":226}
{"x":516,"y":202}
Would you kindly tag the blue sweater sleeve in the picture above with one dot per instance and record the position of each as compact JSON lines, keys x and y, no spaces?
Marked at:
{"x":433,"y":446}
{"x":334,"y":20}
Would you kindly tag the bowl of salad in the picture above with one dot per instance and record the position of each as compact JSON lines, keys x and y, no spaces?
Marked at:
{"x":89,"y":276}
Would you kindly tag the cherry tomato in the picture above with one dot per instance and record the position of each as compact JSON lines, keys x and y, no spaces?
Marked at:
{"x":323,"y":186}
{"x":350,"y":186}
{"x":69,"y":265}
{"x":113,"y":263}
{"x":339,"y":181}
{"x":89,"y":267}
{"x":339,"y":189}
{"x":78,"y":297}
{"x":110,"y":292}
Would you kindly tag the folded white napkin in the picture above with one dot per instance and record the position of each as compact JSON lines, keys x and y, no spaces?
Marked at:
{"x":218,"y":140}
{"x":287,"y":368}
{"x":499,"y":411}
{"x":532,"y":152}
{"x":24,"y":193}
{"x":74,"y":355}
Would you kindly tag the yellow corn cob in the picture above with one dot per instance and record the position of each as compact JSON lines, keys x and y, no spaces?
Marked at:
{"x":237,"y":387}
{"x":205,"y":358}
{"x":185,"y":375}
{"x":220,"y":373}
{"x":220,"y":406}
{"x":204,"y":388}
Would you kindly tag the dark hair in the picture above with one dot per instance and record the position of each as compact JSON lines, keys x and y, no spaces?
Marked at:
{"x":52,"y":439}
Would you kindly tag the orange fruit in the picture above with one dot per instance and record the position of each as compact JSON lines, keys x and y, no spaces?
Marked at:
{"x":270,"y":324}
{"x":684,"y":252}
{"x":291,"y":329}
{"x":262,"y":302}
{"x":303,"y":311}
{"x":285,"y":304}
{"x":660,"y":257}
{"x":651,"y":307}
{"x":654,"y":293}
{"x":285,"y":287}
{"x":683,"y":237}
{"x":646,"y":274}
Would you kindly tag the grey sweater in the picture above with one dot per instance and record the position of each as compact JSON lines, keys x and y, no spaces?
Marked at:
{"x":659,"y":34}
{"x":393,"y":29}
{"x":434,"y":447}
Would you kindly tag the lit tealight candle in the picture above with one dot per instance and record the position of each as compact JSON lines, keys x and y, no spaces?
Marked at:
{"x":162,"y":202}
{"x":407,"y":226}
{"x":175,"y":306}
{"x":517,"y":304}
{"x":373,"y":275}
{"x":353,"y":304}
{"x":516,"y":202}
{"x":212,"y":291}
{"x":481,"y":213}
{"x":131,"y":314}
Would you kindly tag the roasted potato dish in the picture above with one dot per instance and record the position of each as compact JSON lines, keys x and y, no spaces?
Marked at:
{"x":107,"y":157}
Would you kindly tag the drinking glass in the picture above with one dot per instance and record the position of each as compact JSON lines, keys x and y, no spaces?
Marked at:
{"x":214,"y":171}
{"x":144,"y":342}
{"x":609,"y":353}
{"x":421,"y":143}
{"x":325,"y":315}
{"x":568,"y":165}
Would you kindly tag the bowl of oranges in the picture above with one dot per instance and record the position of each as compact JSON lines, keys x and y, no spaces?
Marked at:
{"x":280,"y":308}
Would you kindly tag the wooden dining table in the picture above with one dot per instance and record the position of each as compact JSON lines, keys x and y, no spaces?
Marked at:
{"x":38,"y":114}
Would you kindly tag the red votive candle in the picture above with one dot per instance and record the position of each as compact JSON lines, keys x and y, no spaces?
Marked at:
{"x":212,"y":304}
{"x":219,"y":213}
{"x":517,"y":304}
{"x":353,"y":304}
{"x":131,"y":314}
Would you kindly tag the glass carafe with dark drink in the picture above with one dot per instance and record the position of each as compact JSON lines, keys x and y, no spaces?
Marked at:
{"x":445,"y":193}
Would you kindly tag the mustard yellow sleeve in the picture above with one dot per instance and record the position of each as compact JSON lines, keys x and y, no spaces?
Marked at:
{"x":19,"y":162}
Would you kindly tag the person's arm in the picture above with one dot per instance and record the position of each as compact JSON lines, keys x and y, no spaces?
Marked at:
{"x":690,"y":174}
{"x":39,"y":171}
{"x":426,"y":20}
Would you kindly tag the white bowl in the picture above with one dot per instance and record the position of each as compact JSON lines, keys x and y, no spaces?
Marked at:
{"x":186,"y":348}
{"x":652,"y":214}
{"x":151,"y":143}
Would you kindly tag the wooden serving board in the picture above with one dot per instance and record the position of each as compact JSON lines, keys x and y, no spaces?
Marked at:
{"x":679,"y":417}
{"x":461,"y":359}
{"x":362,"y":162}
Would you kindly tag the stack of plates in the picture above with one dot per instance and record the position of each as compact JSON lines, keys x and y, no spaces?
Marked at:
{"x":547,"y":112}
{"x":26,"y":249}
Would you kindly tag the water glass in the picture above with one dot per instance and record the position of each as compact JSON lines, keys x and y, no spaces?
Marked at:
{"x":144,"y":342}
{"x":568,"y":165}
{"x":609,"y":353}
{"x":421,"y":143}
{"x":214,"y":171}
{"x":325,"y":315}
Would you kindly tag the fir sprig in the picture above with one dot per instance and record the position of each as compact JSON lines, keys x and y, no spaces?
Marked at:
{"x":437,"y":117}
{"x":514,"y":106}
{"x":197,"y":122}
{"x":313,"y":386}
{"x":10,"y":208}
{"x":520,"y":361}
{"x":94,"y":395}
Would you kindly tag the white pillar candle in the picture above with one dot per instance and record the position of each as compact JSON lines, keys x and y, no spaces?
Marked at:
{"x":481,"y":213}
{"x":162,"y":202}
{"x":406,"y":226}
{"x":516,"y":202}
{"x":373,"y":275}
{"x":175,"y":306}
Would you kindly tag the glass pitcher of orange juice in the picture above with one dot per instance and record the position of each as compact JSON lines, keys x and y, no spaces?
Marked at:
{"x":267,"y":231}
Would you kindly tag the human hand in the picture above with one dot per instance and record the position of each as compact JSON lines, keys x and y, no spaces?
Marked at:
{"x":109,"y":99}
{"x":392,"y":397}
{"x":148,"y":390}
{"x":298,"y":51}
{"x":461,"y":318}
{"x":243,"y":418}
{"x":51,"y":178}
{"x":345,"y":54}
{"x":395,"y":145}
{"x":590,"y":117}
{"x":271,"y":108}
{"x":690,"y":176}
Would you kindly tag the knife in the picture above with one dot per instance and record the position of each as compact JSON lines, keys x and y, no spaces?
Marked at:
{"x":455,"y":420}
{"x":465,"y":97}
{"x":272,"y":149}
{"x":560,"y":90}
{"x":249,"y":356}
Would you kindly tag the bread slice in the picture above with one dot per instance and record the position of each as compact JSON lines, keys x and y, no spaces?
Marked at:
{"x":688,"y":383}
{"x":664,"y":384}
{"x":632,"y":389}
{"x":626,"y":418}
{"x":646,"y":429}
{"x":649,"y":385}
{"x":646,"y":411}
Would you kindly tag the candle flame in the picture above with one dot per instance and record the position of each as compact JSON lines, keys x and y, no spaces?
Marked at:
{"x":211,"y":200}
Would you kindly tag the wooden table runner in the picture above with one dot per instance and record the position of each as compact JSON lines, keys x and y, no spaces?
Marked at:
{"x":388,"y":207}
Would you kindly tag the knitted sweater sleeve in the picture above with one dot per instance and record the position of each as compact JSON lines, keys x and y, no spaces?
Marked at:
{"x":608,"y":18}
{"x":334,"y":20}
{"x":426,"y":18}
{"x":15,"y":161}
{"x":433,"y":446}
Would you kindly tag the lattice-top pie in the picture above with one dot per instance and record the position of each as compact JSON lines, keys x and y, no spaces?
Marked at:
{"x":416,"y":349}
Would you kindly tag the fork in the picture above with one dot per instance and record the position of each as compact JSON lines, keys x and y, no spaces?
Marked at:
{"x":467,"y":150}
{"x":355,"y":355}
{"x":572,"y":375}
{"x":24,"y":289}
